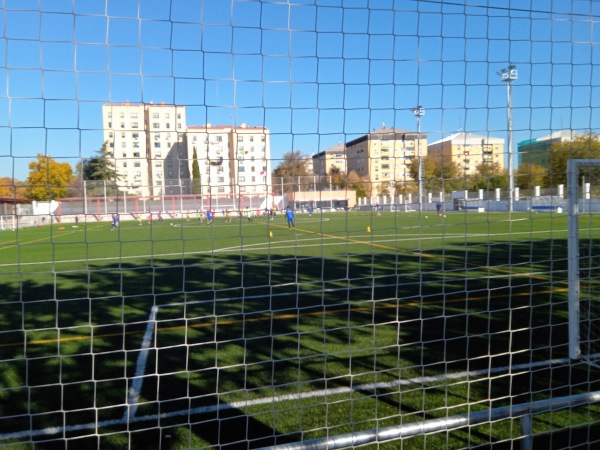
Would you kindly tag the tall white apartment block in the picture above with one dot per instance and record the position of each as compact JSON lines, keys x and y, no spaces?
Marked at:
{"x":252,"y":159}
{"x":231,"y":160}
{"x":148,"y":144}
{"x":210,"y":146}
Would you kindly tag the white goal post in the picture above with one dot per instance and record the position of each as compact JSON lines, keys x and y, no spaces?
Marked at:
{"x":575,"y":202}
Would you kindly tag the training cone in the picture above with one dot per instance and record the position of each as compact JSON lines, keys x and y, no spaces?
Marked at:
{"x":368,"y":229}
{"x":270,"y":234}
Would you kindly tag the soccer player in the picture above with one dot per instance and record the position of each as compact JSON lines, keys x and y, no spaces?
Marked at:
{"x":290,"y":218}
{"x":209,"y":217}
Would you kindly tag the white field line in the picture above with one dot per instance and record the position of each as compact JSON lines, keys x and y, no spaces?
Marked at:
{"x":352,"y":240}
{"x":282,"y":398}
{"x":140,"y":367}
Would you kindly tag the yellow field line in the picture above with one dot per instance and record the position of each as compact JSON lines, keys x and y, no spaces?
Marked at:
{"x":47,"y":238}
{"x":427,"y":255}
{"x":217,"y":322}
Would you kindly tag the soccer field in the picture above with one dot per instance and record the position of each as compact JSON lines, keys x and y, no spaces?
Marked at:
{"x":246,"y":334}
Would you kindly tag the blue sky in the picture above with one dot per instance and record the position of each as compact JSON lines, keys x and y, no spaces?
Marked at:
{"x":315,"y":72}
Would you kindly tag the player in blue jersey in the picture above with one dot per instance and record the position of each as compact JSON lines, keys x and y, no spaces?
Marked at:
{"x":290,"y":218}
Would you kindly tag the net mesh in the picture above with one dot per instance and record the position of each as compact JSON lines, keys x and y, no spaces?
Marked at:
{"x":250,"y":223}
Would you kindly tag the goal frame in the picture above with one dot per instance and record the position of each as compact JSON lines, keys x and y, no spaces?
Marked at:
{"x":573,"y":167}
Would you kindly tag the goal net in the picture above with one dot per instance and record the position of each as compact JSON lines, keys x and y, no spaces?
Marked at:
{"x":584,"y":262}
{"x":232,"y":224}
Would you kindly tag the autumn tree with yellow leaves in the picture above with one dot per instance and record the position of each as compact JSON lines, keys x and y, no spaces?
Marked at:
{"x":48,"y":179}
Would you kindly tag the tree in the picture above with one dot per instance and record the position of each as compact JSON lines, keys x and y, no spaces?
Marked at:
{"x":363,"y":188}
{"x":439,"y":174}
{"x":11,"y":188}
{"x":581,"y":147}
{"x":196,"y":181}
{"x":530,"y":175}
{"x":48,"y":179}
{"x":338,"y":178}
{"x":288,"y":170}
{"x":489,"y":176}
{"x":101,"y":168}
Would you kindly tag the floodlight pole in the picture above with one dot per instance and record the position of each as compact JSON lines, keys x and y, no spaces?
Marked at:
{"x":418,"y":112}
{"x":508,"y":75}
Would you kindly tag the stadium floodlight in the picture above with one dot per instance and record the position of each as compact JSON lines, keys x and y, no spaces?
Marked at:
{"x":418,"y":112}
{"x":508,"y":75}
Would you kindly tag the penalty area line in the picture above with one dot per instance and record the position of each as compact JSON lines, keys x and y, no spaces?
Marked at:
{"x":369,"y":387}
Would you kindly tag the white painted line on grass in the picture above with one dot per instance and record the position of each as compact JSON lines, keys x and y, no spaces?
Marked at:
{"x":140,"y":368}
{"x":281,"y":398}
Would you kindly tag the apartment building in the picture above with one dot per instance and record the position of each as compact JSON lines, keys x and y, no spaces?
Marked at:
{"x":148,"y":144}
{"x":232,"y":160}
{"x":468,"y":150}
{"x":538,"y":151}
{"x":334,"y":156}
{"x":383,"y":157}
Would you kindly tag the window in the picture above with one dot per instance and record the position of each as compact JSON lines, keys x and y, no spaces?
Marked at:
{"x":159,"y":174}
{"x":241,"y":169}
{"x":179,"y":125}
{"x":262,"y":139}
{"x":109,"y":124}
{"x":138,"y":174}
{"x":137,"y":164}
{"x":159,"y":183}
{"x":242,"y":188}
{"x":167,"y":115}
{"x":110,"y":135}
{"x":221,"y":189}
{"x":170,"y":173}
{"x":124,"y":155}
{"x":219,"y":138}
{"x":122,"y":124}
{"x":168,"y":125}
{"x":242,"y":179}
{"x":109,"y":115}
{"x":123,"y":144}
{"x":221,"y":180}
{"x":170,"y":163}
{"x":123,"y":134}
{"x":253,"y":179}
{"x":135,"y":135}
{"x":157,"y":145}
{"x":134,"y":115}
{"x":136,"y":154}
{"x":136,"y":145}
{"x":158,"y":155}
{"x":158,"y":164}
{"x":240,"y":138}
{"x":252,"y":139}
{"x":155,"y":115}
{"x":181,"y":154}
{"x":134,"y":125}
{"x":122,"y":115}
{"x":179,"y":115}
{"x":155,"y":125}
{"x":125,"y":164}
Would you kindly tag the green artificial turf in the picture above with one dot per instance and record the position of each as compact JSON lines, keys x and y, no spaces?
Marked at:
{"x":254,"y":311}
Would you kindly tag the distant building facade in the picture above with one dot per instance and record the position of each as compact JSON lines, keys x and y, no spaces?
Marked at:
{"x":148,"y":144}
{"x":153,"y":150}
{"x":468,"y":150}
{"x":384,"y":156}
{"x":232,"y":160}
{"x":537,"y":151}
{"x":334,"y":156}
